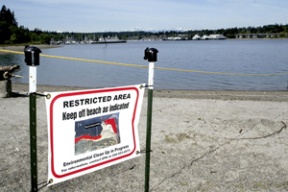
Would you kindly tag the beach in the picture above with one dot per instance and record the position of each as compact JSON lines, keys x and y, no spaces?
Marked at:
{"x":201,"y":141}
{"x":21,"y":48}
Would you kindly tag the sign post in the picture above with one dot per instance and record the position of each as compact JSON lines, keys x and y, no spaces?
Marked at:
{"x":32,"y":60}
{"x":151,"y":56}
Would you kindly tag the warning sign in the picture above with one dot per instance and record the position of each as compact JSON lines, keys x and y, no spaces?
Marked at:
{"x":91,"y":129}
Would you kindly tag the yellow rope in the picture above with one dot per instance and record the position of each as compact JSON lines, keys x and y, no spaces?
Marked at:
{"x":143,"y":66}
{"x":220,"y":73}
{"x":10,"y":51}
{"x":94,"y":61}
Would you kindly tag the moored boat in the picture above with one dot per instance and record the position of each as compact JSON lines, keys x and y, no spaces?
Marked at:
{"x":103,"y":40}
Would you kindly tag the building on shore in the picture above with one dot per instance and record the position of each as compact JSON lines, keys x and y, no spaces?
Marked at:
{"x":209,"y":37}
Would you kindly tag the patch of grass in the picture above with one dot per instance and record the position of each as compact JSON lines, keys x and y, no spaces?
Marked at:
{"x":176,"y":138}
{"x":169,"y":139}
{"x":182,"y":136}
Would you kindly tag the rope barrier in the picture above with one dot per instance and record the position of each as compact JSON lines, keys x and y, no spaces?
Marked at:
{"x":144,"y":66}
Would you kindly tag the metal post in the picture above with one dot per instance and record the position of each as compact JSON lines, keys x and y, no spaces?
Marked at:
{"x":32,"y":60}
{"x":33,"y":142}
{"x":151,"y":55}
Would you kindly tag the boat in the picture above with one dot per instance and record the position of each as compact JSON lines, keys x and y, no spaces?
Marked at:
{"x":209,"y":37}
{"x":196,"y":37}
{"x":103,"y":40}
{"x":217,"y":37}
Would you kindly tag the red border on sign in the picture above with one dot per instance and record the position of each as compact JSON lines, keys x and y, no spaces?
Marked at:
{"x":85,"y":93}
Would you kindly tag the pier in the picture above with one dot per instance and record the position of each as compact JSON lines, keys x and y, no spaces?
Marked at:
{"x":257,"y":35}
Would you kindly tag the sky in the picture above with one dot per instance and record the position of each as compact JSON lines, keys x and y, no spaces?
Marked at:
{"x":132,"y":15}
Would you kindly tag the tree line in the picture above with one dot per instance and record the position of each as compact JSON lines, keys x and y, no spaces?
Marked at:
{"x":12,"y":33}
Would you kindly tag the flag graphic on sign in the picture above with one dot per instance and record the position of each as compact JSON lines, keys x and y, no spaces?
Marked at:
{"x":96,"y":133}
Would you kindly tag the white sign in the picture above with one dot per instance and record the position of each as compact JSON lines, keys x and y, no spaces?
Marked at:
{"x":91,"y":129}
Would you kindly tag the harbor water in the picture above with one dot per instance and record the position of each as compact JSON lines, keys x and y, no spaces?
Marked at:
{"x":260,"y":64}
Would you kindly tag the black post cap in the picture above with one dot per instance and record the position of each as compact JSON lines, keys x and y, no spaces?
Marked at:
{"x":32,"y":55}
{"x":150,"y":54}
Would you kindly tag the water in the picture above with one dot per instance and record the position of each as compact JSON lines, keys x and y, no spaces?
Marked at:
{"x":231,"y":56}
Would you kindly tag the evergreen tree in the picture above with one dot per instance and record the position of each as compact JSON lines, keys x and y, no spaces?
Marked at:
{"x":8,"y":25}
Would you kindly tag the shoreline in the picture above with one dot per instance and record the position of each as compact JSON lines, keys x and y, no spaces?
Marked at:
{"x":277,"y":96}
{"x":22,"y":47}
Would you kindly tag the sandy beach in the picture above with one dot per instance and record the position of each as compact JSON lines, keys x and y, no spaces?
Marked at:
{"x":201,"y":141}
{"x":22,"y":47}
